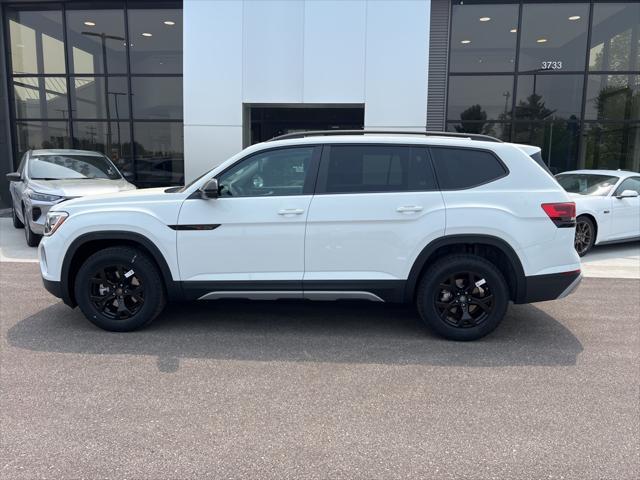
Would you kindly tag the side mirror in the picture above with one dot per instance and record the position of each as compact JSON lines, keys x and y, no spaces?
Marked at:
{"x":627,"y":194}
{"x":14,"y":177}
{"x":210,"y":189}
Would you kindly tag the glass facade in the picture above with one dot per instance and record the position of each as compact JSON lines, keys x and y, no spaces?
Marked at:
{"x":562,"y":76}
{"x":103,"y":76}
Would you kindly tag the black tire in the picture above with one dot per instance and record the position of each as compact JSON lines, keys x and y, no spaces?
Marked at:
{"x":32,"y":239}
{"x":462,"y":297}
{"x":14,"y":217}
{"x":585,"y":235}
{"x":119,"y":274}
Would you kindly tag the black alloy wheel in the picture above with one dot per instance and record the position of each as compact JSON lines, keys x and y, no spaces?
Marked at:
{"x":464,"y":299}
{"x":585,"y":235}
{"x":32,"y":239}
{"x":14,"y":217}
{"x":120,"y":289}
{"x":117,"y":292}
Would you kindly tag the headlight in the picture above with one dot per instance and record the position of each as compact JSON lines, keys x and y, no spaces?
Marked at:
{"x":44,"y":197}
{"x":53,"y":222}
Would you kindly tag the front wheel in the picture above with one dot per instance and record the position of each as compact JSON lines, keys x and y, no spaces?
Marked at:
{"x":585,"y":235}
{"x":462,"y":297}
{"x":119,"y":289}
{"x":32,"y":239}
{"x":14,"y":217}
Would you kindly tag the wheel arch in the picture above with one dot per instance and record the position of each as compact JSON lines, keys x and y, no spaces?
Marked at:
{"x":89,"y":243}
{"x":591,"y":217}
{"x":494,"y":249}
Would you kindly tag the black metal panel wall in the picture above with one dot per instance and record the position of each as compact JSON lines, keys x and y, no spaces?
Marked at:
{"x":438,"y":64}
{"x":6,"y":157}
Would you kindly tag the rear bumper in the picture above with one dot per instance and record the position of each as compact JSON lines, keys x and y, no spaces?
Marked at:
{"x":540,"y":288}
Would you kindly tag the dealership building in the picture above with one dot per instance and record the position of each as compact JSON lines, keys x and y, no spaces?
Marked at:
{"x":170,"y":89}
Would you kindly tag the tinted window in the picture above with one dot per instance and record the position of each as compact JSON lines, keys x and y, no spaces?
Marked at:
{"x":459,"y":168}
{"x":369,"y":168}
{"x":480,"y":98}
{"x":632,"y":183}
{"x":587,"y":184}
{"x":616,"y":27}
{"x":71,"y":167}
{"x":268,"y":174}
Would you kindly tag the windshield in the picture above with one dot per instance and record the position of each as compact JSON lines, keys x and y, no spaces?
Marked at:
{"x":67,"y":167}
{"x":587,"y":184}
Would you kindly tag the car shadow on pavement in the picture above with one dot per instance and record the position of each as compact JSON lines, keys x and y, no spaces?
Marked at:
{"x":299,"y":331}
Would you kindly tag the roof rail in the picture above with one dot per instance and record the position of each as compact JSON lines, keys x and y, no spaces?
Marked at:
{"x":320,"y":133}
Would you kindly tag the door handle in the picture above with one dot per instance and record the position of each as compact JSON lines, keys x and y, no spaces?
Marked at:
{"x":291,"y":211}
{"x":409,"y":209}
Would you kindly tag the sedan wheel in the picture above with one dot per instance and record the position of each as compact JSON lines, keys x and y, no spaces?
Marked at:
{"x":14,"y":217}
{"x":585,"y":235}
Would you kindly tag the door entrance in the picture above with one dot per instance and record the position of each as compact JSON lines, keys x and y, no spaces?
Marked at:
{"x":270,"y":121}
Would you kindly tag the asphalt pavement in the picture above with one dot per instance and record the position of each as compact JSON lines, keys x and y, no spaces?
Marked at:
{"x":319,"y":390}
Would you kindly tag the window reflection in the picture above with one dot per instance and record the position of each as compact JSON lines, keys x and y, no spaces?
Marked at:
{"x":494,"y":129}
{"x":483,"y":38}
{"x":111,"y":138}
{"x":89,"y":33}
{"x":615,"y":37}
{"x":558,"y":140}
{"x":480,"y":98}
{"x":612,"y":146}
{"x":40,"y":97}
{"x":159,"y":153}
{"x":157,"y":97}
{"x":36,"y":135}
{"x":89,"y":98}
{"x":541,"y":97}
{"x":613,"y":97}
{"x":155,"y":37}
{"x":36,"y":42}
{"x":554,"y":36}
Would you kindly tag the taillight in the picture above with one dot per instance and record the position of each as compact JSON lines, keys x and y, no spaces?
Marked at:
{"x":562,"y":214}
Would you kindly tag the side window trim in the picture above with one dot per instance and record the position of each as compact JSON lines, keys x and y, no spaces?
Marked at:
{"x":310,"y":176}
{"x":485,"y":150}
{"x":323,"y":172}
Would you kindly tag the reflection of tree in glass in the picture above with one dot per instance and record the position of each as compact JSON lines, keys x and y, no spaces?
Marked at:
{"x":613,"y":55}
{"x":474,"y":120}
{"x":617,"y":101}
{"x":533,"y":108}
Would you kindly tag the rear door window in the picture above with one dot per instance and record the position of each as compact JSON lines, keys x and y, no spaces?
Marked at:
{"x":461,"y":168}
{"x":375,"y":168}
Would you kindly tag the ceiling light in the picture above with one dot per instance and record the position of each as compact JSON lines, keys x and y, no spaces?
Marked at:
{"x":574,"y":17}
{"x":513,"y":30}
{"x":147,"y":34}
{"x":541,"y":40}
{"x":169,"y":22}
{"x":89,"y":23}
{"x":465,"y":41}
{"x":484,"y":19}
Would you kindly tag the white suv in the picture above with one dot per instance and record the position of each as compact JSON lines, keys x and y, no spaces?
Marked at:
{"x":458,"y":224}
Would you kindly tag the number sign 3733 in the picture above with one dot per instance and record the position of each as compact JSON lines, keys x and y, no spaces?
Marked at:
{"x":552,"y":65}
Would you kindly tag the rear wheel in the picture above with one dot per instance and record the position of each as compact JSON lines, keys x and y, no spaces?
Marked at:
{"x":32,"y":239}
{"x":585,"y":235}
{"x":14,"y":217}
{"x":462,"y":297}
{"x":119,"y":289}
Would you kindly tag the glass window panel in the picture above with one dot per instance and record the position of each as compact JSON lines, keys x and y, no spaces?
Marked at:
{"x":157,"y":97}
{"x":558,"y":140}
{"x":480,"y":98}
{"x":41,"y":97}
{"x":554,"y":36}
{"x":159,"y":153}
{"x":459,"y":168}
{"x":615,"y":37}
{"x":36,"y":135}
{"x":483,"y":38}
{"x":494,"y":129}
{"x":542,"y":97}
{"x":155,"y":36}
{"x":612,"y":146}
{"x":111,"y":138}
{"x":613,"y":97}
{"x":89,"y":98}
{"x":91,"y":31}
{"x":36,"y":42}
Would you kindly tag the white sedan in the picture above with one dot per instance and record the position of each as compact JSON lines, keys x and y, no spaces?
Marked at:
{"x":607,"y":206}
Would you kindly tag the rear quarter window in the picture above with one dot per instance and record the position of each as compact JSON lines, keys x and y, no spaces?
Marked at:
{"x":460,"y":168}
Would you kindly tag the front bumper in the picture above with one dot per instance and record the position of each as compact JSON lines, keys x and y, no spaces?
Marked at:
{"x":540,"y":288}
